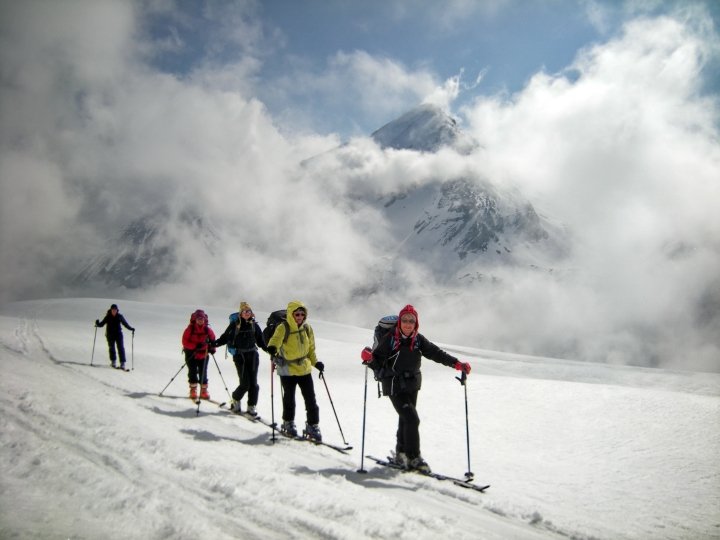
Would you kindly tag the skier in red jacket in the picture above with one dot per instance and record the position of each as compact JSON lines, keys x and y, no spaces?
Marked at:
{"x":197,"y":342}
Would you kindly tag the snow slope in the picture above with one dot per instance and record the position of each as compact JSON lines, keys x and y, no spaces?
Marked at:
{"x":571,"y":449}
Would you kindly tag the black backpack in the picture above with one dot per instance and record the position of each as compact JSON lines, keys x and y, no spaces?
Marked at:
{"x":275,"y":318}
{"x":384,"y":326}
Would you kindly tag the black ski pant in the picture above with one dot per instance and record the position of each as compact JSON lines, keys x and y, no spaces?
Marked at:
{"x":408,"y":432}
{"x":305,"y":382}
{"x":246,"y":364}
{"x":113,"y":342}
{"x":197,"y":368}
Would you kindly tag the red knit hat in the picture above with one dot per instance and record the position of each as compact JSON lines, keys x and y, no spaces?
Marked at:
{"x":407,"y":310}
{"x":198,"y":314}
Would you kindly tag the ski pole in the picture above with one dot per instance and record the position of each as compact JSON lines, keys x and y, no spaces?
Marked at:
{"x":272,"y":399}
{"x":171,"y":380}
{"x":221,"y":378}
{"x":203,"y":380}
{"x":322,"y":376}
{"x":93,"y":351}
{"x":362,"y":452}
{"x":132,"y":351}
{"x":463,"y":381}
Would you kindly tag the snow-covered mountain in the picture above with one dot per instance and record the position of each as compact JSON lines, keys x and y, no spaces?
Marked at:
{"x":469,"y":222}
{"x":148,"y":251}
{"x":426,"y":128}
{"x":460,"y":224}
{"x":450,"y":225}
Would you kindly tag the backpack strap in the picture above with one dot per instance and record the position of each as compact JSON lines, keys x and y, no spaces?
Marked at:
{"x":287,"y":331}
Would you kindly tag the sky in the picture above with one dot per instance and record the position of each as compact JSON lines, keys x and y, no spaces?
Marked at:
{"x":131,"y":464}
{"x":603,"y":114}
{"x":347,"y":68}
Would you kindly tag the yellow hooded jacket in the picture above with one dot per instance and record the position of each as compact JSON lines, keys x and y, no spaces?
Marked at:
{"x":297,"y":354}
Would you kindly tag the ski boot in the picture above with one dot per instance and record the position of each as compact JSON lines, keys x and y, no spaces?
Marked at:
{"x":288,"y":428}
{"x":312,"y":432}
{"x":252,"y":411}
{"x":399,"y":458}
{"x":193,"y":392}
{"x":204,"y":392}
{"x":419,"y":464}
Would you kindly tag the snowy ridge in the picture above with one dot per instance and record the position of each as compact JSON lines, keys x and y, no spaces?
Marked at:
{"x":131,"y":461}
{"x":426,"y":128}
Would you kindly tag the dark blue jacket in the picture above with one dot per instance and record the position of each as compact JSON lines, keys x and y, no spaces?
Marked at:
{"x":244,"y":336}
{"x":113,"y":324}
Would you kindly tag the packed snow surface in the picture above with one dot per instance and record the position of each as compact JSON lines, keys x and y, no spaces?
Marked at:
{"x":571,"y":449}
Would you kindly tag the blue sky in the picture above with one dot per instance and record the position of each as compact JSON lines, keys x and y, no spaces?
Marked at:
{"x":313,"y":57}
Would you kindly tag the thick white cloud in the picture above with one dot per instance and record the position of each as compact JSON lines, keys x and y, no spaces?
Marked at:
{"x":623,"y":147}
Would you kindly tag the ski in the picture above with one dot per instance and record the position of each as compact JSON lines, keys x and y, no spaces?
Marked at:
{"x":199,"y":400}
{"x":437,"y":476}
{"x":224,"y":406}
{"x":343,"y":449}
{"x":126,"y":370}
{"x":220,"y":404}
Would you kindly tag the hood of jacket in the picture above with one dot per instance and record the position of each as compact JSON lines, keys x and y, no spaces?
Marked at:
{"x":293,"y":306}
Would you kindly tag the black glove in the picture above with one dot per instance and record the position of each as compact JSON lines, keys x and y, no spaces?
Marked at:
{"x":272,"y":350}
{"x":132,"y":330}
{"x":320,"y":366}
{"x":97,"y":322}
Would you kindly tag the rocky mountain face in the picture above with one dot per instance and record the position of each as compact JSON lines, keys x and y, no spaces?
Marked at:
{"x":147,"y":251}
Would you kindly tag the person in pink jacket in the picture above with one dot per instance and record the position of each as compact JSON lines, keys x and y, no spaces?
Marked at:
{"x":197,"y":342}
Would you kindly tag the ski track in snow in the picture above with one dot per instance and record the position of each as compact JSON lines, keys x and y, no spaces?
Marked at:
{"x":92,"y":452}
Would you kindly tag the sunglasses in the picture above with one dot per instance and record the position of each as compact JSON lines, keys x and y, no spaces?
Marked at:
{"x":246,"y":311}
{"x":299,"y":314}
{"x":408,"y":320}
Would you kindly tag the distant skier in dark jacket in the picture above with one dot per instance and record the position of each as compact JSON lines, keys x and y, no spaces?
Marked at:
{"x":396,"y":362}
{"x":114,"y":319}
{"x":244,"y":336}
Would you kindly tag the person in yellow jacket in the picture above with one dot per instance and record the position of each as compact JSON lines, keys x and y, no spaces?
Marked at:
{"x":292,"y":347}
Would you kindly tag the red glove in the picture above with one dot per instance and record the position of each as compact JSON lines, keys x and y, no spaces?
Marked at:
{"x":366,"y":355}
{"x":463,"y":366}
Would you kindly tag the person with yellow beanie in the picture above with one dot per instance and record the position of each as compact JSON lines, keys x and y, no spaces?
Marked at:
{"x":244,"y":336}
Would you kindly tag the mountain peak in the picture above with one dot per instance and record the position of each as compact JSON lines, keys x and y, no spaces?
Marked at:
{"x":426,"y":128}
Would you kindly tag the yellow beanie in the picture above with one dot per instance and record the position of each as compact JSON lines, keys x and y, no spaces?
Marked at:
{"x":244,"y":306}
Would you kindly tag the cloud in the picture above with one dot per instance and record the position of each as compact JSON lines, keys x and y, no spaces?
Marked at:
{"x":375,"y":87}
{"x":621,"y":146}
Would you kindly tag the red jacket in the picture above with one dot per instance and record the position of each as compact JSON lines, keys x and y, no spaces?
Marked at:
{"x":198,"y":339}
